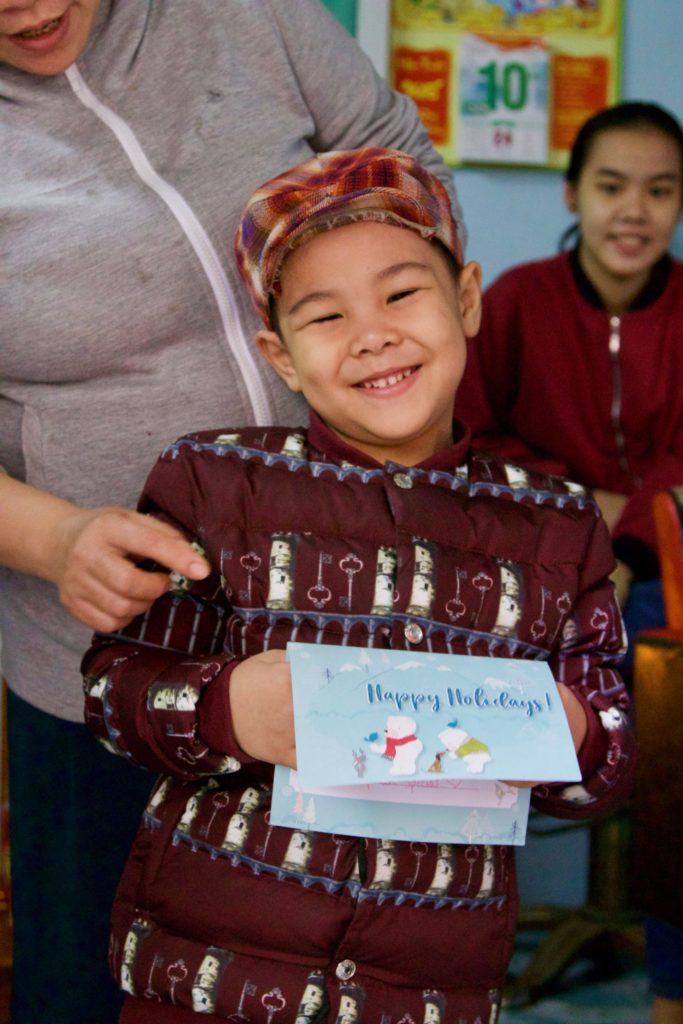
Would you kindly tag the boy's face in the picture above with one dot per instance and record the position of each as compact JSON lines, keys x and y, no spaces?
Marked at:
{"x":373,"y":329}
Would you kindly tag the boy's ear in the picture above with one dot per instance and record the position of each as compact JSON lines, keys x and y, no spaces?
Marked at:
{"x":274,"y":351}
{"x":469,"y":285}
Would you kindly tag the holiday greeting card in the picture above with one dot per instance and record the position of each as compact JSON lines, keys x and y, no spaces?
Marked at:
{"x":444,"y":811}
{"x":380,"y":716}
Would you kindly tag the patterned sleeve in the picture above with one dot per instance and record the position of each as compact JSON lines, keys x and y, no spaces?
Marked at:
{"x":157,"y":692}
{"x":586,"y":660}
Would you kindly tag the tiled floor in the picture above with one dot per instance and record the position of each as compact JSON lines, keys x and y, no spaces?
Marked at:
{"x":624,"y":1000}
{"x":611,"y":1004}
{"x":583,"y":996}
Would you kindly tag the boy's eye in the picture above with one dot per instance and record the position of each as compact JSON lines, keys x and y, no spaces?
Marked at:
{"x":609,"y":188}
{"x":403,"y":294}
{"x":661,"y":191}
{"x":326,"y":318}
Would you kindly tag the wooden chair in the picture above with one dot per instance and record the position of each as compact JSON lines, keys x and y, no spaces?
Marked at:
{"x":668,"y":513}
{"x":658,"y":699}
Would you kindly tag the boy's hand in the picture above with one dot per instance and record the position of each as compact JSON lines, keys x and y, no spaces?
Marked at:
{"x":262,"y":710}
{"x":576,"y":716}
{"x":93,"y":564}
{"x":578,"y":725}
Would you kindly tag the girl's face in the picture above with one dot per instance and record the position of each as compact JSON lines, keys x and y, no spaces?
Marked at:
{"x":44,"y":37}
{"x":628,"y":201}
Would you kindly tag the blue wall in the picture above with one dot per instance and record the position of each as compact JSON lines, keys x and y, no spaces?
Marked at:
{"x":514,"y":216}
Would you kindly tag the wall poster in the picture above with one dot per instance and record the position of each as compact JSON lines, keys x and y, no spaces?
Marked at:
{"x":506,"y":81}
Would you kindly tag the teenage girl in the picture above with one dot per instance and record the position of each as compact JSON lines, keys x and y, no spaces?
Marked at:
{"x":578,"y":368}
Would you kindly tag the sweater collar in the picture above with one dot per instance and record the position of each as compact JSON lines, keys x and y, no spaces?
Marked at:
{"x":654,"y":287}
{"x":331,"y":448}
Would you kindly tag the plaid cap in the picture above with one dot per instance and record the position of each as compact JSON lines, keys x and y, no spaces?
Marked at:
{"x":330,"y":189}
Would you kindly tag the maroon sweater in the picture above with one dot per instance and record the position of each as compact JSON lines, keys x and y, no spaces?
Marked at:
{"x":555,"y":383}
{"x":217,"y":910}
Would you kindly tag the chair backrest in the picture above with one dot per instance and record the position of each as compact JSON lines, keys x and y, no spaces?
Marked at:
{"x":668,"y":514}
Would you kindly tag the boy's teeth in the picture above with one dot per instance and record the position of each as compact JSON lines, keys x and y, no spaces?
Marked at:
{"x":385,"y":382}
{"x":32,"y":33}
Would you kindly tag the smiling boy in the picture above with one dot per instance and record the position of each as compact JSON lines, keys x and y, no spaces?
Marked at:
{"x":377,"y":350}
{"x":376,"y":526}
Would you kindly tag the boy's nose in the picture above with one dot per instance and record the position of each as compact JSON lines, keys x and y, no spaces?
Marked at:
{"x":374,"y":338}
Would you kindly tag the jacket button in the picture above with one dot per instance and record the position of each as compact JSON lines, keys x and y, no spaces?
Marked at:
{"x":403,"y":480}
{"x":413,"y":633}
{"x":345,"y":969}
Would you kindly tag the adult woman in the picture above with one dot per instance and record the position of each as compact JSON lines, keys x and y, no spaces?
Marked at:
{"x":123,"y":324}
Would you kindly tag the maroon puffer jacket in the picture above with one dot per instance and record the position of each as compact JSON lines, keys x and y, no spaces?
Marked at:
{"x":222,"y":913}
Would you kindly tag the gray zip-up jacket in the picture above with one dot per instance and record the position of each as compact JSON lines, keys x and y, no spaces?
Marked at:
{"x":123,"y":320}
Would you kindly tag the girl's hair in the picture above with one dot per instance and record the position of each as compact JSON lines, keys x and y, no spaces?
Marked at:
{"x":633,"y":115}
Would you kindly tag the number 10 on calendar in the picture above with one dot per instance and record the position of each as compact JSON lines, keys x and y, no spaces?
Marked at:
{"x":503,"y":106}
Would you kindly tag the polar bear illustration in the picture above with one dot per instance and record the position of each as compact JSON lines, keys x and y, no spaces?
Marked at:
{"x":400,"y":744}
{"x":458,"y":743}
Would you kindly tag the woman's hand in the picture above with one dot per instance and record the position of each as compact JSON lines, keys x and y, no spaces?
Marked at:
{"x":262,"y":710}
{"x":90,"y":554}
{"x":94,"y":564}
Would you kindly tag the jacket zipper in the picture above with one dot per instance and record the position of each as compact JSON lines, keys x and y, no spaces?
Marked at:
{"x":196,"y":235}
{"x":614,"y":351}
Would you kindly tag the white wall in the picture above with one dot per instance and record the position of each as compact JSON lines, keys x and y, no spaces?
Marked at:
{"x":518,"y":215}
